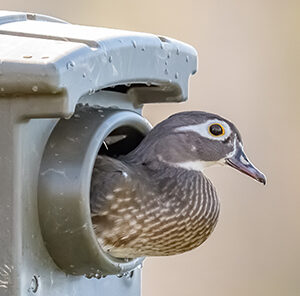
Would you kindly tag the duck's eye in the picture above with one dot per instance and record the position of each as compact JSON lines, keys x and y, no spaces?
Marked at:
{"x":216,"y":129}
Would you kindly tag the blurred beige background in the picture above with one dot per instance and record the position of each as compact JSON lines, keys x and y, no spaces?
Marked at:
{"x":249,"y":69}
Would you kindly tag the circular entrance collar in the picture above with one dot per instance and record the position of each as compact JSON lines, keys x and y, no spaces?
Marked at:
{"x":64,"y":190}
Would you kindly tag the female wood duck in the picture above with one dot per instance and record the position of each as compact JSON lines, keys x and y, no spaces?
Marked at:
{"x":156,"y":200}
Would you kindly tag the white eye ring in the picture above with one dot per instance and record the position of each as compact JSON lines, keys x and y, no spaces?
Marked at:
{"x":203,"y":129}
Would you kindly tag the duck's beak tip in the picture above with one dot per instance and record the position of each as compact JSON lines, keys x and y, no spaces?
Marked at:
{"x":240,"y":162}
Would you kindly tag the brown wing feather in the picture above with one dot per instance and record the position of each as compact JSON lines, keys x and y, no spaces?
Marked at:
{"x":115,"y":207}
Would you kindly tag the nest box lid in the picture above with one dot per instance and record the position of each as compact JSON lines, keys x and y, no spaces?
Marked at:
{"x":42,"y":55}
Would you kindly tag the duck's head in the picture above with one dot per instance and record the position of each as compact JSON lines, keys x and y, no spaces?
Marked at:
{"x":195,"y":140}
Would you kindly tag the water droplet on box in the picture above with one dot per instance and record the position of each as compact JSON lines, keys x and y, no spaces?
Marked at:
{"x":133,"y":43}
{"x":92,"y":91}
{"x":70,"y":65}
{"x":187,"y":59}
{"x":35,"y":88}
{"x":34,"y":285}
{"x":110,"y":59}
{"x":176,"y":75}
{"x":166,"y":71}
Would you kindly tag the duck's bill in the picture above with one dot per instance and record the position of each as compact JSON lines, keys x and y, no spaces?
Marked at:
{"x":240,"y":162}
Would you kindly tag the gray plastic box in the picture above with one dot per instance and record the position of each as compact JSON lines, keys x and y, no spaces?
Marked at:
{"x":48,"y":145}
